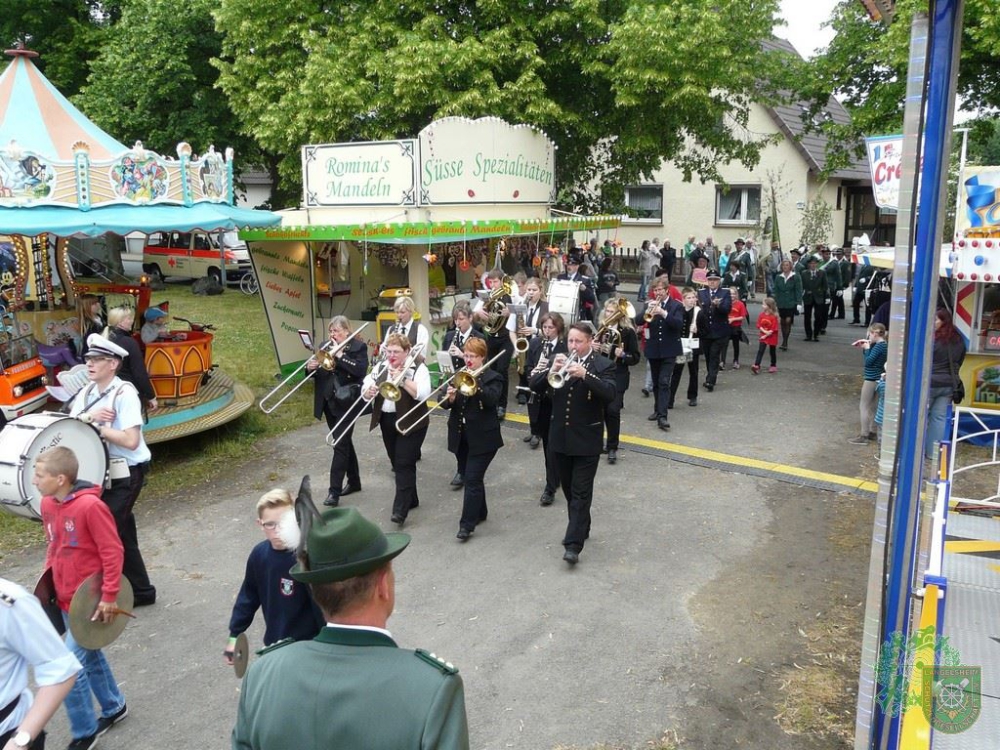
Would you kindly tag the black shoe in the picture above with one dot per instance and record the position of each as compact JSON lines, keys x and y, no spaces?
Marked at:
{"x":522,"y":399}
{"x":106,"y":722}
{"x":645,"y":393}
{"x":670,"y":405}
{"x":693,"y":402}
{"x":527,"y":438}
{"x":816,"y":339}
{"x":653,"y":417}
{"x":501,"y":412}
{"x":808,"y":338}
{"x":612,"y":456}
{"x":822,"y":333}
{"x":350,"y":489}
{"x":571,"y":556}
{"x":709,"y":387}
{"x":398,"y":519}
{"x":332,"y":501}
{"x":535,"y":441}
{"x":546,"y":499}
{"x":463,"y":535}
{"x":84,"y":743}
{"x":457,"y":481}
{"x":783,"y":348}
{"x":663,"y":424}
{"x":145,"y":599}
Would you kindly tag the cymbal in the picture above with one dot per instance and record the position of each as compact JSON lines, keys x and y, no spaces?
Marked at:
{"x":241,"y":655}
{"x":91,"y":634}
{"x":45,"y":592}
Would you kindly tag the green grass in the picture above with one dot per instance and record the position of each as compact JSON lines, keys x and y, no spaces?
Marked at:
{"x":242,"y":348}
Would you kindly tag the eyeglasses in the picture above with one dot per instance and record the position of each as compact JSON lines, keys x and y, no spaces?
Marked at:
{"x":269,"y":525}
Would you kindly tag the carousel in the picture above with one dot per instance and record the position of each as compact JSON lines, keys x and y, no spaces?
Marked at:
{"x":62,"y":177}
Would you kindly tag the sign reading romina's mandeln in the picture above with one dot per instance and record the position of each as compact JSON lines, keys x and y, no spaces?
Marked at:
{"x":381,"y":173}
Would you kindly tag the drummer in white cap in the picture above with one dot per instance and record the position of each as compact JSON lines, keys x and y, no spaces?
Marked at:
{"x":114,"y":408}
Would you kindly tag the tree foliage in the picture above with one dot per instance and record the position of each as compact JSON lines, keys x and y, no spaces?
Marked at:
{"x":866,"y":66}
{"x":619,"y":85}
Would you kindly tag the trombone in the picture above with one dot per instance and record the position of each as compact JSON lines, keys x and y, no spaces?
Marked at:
{"x":389,"y":390}
{"x":326,"y":356}
{"x":557,"y":378}
{"x":466,"y":382}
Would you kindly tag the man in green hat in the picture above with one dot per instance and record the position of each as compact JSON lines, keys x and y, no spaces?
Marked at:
{"x":351,"y":687}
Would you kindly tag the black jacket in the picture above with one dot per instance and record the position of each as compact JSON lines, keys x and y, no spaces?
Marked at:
{"x":133,"y":369}
{"x":475,"y":417}
{"x":458,"y":362}
{"x":540,"y":407}
{"x":577,"y":426}
{"x":664,"y":339}
{"x":716,"y":322}
{"x":630,"y":345}
{"x":350,"y":370}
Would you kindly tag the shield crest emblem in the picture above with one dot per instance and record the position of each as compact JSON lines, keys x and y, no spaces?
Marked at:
{"x":951,"y":697}
{"x":287,"y":586}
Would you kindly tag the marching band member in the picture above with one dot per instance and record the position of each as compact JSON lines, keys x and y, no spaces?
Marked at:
{"x":417,"y":333}
{"x":537,"y":306}
{"x":335,"y":392}
{"x":502,"y":340}
{"x":415,"y":386}
{"x":576,"y":431}
{"x":691,"y":329}
{"x":663,"y":346}
{"x":454,"y":343}
{"x":624,"y":356}
{"x":541,"y":352}
{"x":474,"y":435}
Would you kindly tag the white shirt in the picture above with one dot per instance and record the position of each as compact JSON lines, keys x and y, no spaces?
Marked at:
{"x":28,"y":638}
{"x":511,"y":319}
{"x":124,"y":400}
{"x":423,"y":336}
{"x":422,"y":377}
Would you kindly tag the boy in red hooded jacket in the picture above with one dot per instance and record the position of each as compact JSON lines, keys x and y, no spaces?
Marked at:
{"x":82,"y":540}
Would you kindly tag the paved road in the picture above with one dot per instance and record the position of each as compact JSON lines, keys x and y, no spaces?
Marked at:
{"x":615,"y":650}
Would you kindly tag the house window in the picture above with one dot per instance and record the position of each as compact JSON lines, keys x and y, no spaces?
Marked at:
{"x":645,"y":203}
{"x":737,"y":205}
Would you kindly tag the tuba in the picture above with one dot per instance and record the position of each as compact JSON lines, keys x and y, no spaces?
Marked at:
{"x":494,"y":307}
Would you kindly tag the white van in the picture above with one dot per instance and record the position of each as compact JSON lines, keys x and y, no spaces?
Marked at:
{"x":193,"y":255}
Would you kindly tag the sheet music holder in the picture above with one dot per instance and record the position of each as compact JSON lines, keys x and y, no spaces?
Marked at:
{"x":517,"y":308}
{"x":445,"y":364}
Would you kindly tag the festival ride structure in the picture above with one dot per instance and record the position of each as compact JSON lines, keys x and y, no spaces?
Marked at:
{"x":62,"y":177}
{"x":425,"y":217}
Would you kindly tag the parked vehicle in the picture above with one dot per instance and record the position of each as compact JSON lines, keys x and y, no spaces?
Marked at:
{"x":22,"y":377}
{"x":195,"y":254}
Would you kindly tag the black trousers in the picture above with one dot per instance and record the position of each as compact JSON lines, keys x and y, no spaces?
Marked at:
{"x":121,"y":500}
{"x":474,"y":469}
{"x":713,"y":356}
{"x":613,"y":419}
{"x":403,"y":451}
{"x":814,"y":318}
{"x":542,"y":408}
{"x":576,"y":474}
{"x":692,"y":368}
{"x":661,"y":370}
{"x":735,"y":338}
{"x":760,"y":354}
{"x":345,"y":458}
{"x":856,"y":299}
{"x":837,"y":311}
{"x":495,"y":345}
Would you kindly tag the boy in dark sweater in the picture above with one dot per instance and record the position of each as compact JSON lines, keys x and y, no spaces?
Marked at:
{"x":289,"y":611}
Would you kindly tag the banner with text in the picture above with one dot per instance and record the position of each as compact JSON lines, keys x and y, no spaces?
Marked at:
{"x":379,"y":173}
{"x":283,"y":273}
{"x":978,"y":213}
{"x":884,"y":161}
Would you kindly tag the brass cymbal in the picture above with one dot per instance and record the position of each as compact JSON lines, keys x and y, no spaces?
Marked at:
{"x":241,"y":655}
{"x":45,"y":592}
{"x":89,"y":633}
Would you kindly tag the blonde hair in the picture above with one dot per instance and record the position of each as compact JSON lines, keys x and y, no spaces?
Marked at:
{"x":276,"y":498}
{"x":770,"y":305}
{"x":116,"y":315}
{"x":403,"y":302}
{"x":534,"y":280}
{"x":59,"y":460}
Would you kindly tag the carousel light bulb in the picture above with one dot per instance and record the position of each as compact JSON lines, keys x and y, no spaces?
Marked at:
{"x":979,"y":260}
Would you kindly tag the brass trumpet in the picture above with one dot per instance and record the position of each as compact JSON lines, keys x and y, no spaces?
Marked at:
{"x":466,"y":382}
{"x":325,"y":356}
{"x":557,"y":378}
{"x":652,"y":305}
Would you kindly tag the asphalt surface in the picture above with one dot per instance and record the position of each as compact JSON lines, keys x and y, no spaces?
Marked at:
{"x":611,"y":651}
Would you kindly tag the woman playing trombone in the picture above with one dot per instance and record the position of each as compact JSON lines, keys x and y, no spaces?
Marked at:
{"x":336,"y":393}
{"x":474,"y":433}
{"x":454,"y":344}
{"x":413,"y":382}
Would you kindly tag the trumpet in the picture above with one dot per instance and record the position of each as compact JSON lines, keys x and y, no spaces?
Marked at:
{"x":652,"y":305}
{"x":466,"y":382}
{"x":325,"y":356}
{"x":557,"y":378}
{"x":389,"y":390}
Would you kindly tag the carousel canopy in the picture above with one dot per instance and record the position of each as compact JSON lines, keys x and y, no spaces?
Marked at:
{"x":61,"y":174}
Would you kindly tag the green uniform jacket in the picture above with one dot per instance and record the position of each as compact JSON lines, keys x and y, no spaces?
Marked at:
{"x":787,"y":293}
{"x":814,"y":289}
{"x":832,"y":270}
{"x":350,"y":689}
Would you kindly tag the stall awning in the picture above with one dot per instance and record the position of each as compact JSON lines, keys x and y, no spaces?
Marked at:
{"x":430,"y":232}
{"x":72,"y":222}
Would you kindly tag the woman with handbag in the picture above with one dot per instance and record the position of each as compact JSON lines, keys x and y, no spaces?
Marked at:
{"x":336,"y":391}
{"x":946,"y":387}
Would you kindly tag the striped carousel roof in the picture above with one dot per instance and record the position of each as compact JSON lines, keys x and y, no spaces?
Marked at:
{"x":40,"y":119}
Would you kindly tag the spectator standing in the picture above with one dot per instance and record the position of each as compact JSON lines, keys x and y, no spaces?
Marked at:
{"x":668,"y":255}
{"x":875,"y":350}
{"x":649,"y":261}
{"x":607,"y":281}
{"x":947,"y":355}
{"x":772,"y":266}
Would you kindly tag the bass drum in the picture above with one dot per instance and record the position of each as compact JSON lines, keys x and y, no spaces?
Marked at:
{"x":21,"y":442}
{"x":564,"y":298}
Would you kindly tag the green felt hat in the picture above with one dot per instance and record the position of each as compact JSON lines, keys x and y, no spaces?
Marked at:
{"x":343,"y":544}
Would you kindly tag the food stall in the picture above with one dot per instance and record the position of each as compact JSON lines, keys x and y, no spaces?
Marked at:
{"x":429,"y":214}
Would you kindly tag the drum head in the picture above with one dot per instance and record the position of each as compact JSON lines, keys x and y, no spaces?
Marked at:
{"x":241,"y":655}
{"x":25,"y":438}
{"x":86,"y":632}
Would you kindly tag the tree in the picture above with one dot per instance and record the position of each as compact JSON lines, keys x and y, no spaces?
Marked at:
{"x":866,"y":66}
{"x":619,"y":85}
